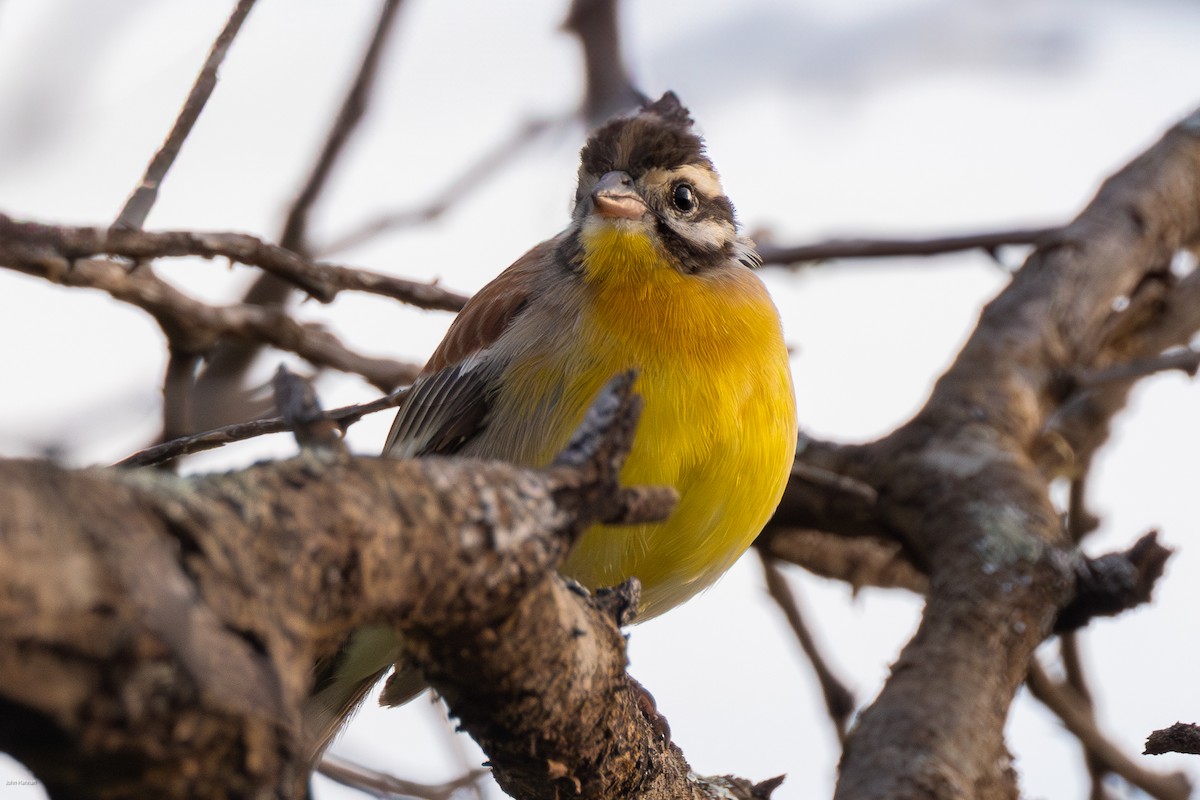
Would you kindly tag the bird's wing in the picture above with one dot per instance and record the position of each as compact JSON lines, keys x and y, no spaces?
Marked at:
{"x":449,"y":402}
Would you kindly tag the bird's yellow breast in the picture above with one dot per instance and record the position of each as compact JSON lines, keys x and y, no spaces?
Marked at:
{"x":718,"y":422}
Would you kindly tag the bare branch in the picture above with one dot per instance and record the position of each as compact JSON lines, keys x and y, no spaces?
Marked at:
{"x":177,"y":388}
{"x":1077,"y":716}
{"x":861,"y":561}
{"x":1160,"y":314}
{"x":29,"y":240}
{"x":1114,"y":583}
{"x":199,"y":605}
{"x":138,"y":206}
{"x":832,"y":481}
{"x":1179,"y":738}
{"x":299,"y":405}
{"x":1068,"y":645}
{"x":354,"y":107}
{"x":964,"y":486}
{"x":610,"y":90}
{"x":458,"y":189}
{"x":381,"y":784}
{"x":210,"y":440}
{"x":194,"y":326}
{"x":228,"y":363}
{"x":803,"y":255}
{"x":839,"y":701}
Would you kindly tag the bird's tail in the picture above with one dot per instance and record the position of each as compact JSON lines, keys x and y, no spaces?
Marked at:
{"x":343,"y":682}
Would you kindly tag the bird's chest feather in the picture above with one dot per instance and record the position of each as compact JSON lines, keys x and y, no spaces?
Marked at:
{"x":707,"y":347}
{"x":718,"y":419}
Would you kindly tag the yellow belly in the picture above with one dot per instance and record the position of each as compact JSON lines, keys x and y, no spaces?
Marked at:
{"x":718,"y":422}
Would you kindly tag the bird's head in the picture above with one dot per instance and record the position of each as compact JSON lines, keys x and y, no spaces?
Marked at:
{"x":646,"y":184}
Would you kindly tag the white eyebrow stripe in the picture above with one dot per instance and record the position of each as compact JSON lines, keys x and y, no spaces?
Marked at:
{"x":705,"y":181}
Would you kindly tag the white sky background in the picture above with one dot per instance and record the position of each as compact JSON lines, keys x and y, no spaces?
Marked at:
{"x":884,"y":117}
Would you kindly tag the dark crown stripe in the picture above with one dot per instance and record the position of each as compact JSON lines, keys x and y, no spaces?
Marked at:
{"x":650,"y":139}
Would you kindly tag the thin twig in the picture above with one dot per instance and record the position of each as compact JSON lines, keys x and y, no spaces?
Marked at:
{"x":472,"y":178}
{"x":177,"y":391}
{"x":839,"y":701}
{"x":844,"y":484}
{"x":381,"y":784}
{"x":1067,"y":705}
{"x":1080,"y":521}
{"x":138,"y":206}
{"x":343,"y":417}
{"x":231,"y":360}
{"x":180,"y":378}
{"x":354,"y":107}
{"x":1076,"y":679}
{"x":457,"y":743}
{"x":989,"y":241}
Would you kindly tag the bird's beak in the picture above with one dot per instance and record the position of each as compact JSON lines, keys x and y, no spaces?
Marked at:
{"x":615,"y":198}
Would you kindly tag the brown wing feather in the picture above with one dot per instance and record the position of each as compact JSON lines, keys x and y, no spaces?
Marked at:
{"x":490,"y":311}
{"x":450,"y":400}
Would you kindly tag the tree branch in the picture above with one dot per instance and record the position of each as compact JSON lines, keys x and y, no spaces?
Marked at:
{"x":137,"y":207}
{"x":964,"y":487}
{"x":459,"y":188}
{"x":990,"y":241}
{"x":1078,"y":718}
{"x":190,"y":324}
{"x":380,"y":784}
{"x":1114,"y":583}
{"x":209,"y":440}
{"x":609,"y":89}
{"x":839,"y":701}
{"x":227,"y":365}
{"x":354,"y":107}
{"x":170,"y":653}
{"x":1179,"y":738}
{"x":30,"y":242}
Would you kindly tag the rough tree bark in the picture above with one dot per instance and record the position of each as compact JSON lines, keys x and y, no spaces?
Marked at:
{"x":156,"y":640}
{"x":963,"y":488}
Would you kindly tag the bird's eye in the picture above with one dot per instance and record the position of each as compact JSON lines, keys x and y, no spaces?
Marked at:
{"x":684,"y":198}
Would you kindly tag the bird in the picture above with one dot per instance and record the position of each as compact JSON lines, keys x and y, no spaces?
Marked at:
{"x":651,"y":274}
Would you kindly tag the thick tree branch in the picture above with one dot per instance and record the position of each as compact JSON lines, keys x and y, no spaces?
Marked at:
{"x":169,"y":654}
{"x":963,"y":487}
